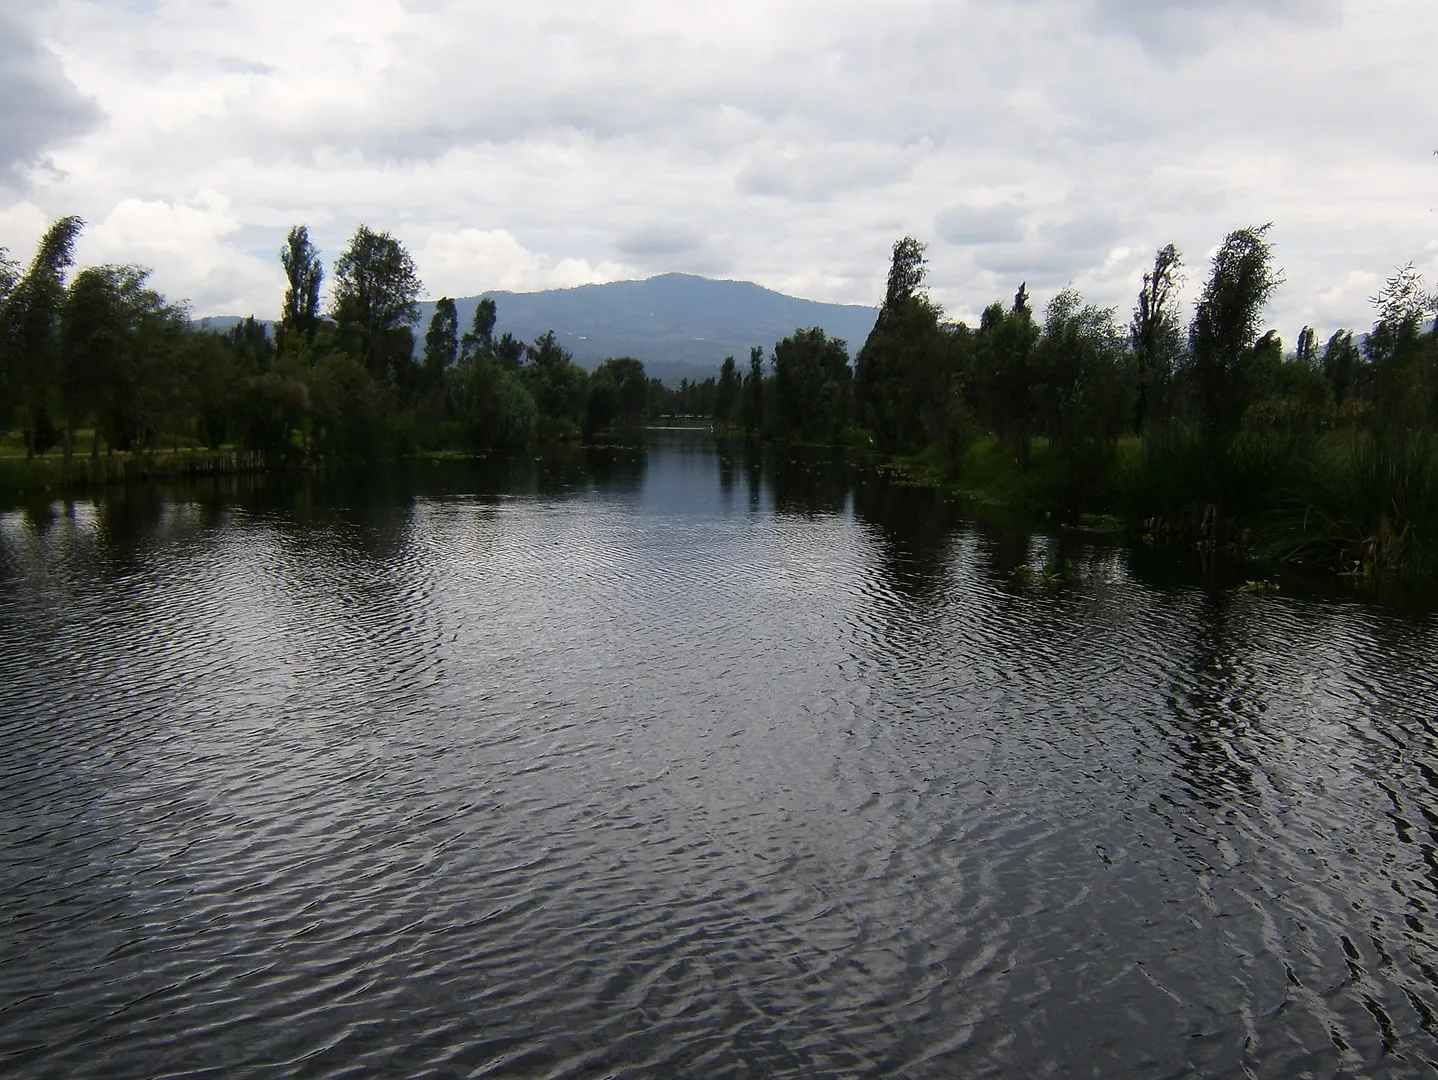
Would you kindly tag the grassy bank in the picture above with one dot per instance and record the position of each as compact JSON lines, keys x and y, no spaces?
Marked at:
{"x":53,"y":473}
{"x":1346,"y":501}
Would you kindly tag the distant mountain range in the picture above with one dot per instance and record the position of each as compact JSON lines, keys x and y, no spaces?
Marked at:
{"x":680,"y":325}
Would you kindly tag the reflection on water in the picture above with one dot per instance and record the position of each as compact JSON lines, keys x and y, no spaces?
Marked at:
{"x":685,"y":760}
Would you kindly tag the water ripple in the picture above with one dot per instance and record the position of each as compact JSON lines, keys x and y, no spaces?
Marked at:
{"x":644,"y":783}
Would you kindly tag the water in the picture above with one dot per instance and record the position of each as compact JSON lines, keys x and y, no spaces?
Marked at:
{"x":680,"y":764}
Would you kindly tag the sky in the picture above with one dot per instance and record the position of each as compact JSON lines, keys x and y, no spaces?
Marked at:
{"x":788,"y":142}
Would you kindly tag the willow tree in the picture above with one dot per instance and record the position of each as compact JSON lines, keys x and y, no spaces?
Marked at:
{"x":30,"y":326}
{"x":1226,"y":324}
{"x":1154,"y":332}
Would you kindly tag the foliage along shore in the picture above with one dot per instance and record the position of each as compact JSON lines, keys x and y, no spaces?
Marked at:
{"x":1212,"y":433}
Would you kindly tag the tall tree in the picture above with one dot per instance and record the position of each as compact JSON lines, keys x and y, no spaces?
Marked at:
{"x":9,"y":278}
{"x":1226,"y":324}
{"x":122,"y":352}
{"x":441,"y":342}
{"x":908,"y":267}
{"x":752,"y":404}
{"x":304,"y":273}
{"x":904,"y":358}
{"x":726,"y":398}
{"x":30,"y":324}
{"x":1004,"y":372}
{"x":1401,"y":356}
{"x":811,"y":385}
{"x":376,"y":299}
{"x":1154,"y":332}
{"x":479,"y":338}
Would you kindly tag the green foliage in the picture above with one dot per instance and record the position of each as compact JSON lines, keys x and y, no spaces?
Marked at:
{"x":1225,"y":326}
{"x":376,"y":296}
{"x":727,"y":395}
{"x":752,"y":395}
{"x":811,"y":386}
{"x":1156,"y":337}
{"x":344,"y":410}
{"x":478,"y":340}
{"x":29,"y":327}
{"x":120,"y":358}
{"x":1003,"y":373}
{"x":304,"y":274}
{"x":1361,"y":502}
{"x":441,"y":346}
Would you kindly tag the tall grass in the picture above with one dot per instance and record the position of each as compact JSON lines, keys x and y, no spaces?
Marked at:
{"x":1185,"y":486}
{"x":1366,"y":504}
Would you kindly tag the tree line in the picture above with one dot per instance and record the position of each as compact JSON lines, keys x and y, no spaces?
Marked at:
{"x":1078,"y":378}
{"x":99,"y":353}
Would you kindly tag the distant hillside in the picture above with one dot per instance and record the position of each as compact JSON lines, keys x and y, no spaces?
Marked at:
{"x":680,"y":325}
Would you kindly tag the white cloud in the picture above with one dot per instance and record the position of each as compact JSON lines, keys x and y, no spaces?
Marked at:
{"x":785,"y":141}
{"x":472,"y":260}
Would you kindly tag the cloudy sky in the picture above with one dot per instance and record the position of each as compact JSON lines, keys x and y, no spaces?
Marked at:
{"x":789,"y":142}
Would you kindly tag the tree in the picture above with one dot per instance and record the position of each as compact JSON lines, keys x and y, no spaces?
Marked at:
{"x":1154,"y":332}
{"x":122,"y":358}
{"x":752,"y":406}
{"x":29,"y":327}
{"x":631,"y":387}
{"x":726,"y":398}
{"x":479,"y":338}
{"x":1341,"y":366}
{"x":1003,"y":375}
{"x":811,"y":385}
{"x":441,"y":342}
{"x":1401,"y":356}
{"x":559,"y":387}
{"x":300,"y":318}
{"x":1226,"y":324}
{"x":9,"y":278}
{"x":905,"y":385}
{"x":907,"y":270}
{"x":376,"y":301}
{"x":1082,"y":386}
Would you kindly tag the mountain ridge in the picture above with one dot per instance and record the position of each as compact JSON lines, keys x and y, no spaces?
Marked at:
{"x":679,"y":325}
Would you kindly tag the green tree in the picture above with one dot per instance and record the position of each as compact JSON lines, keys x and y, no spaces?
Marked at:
{"x":1003,"y":374}
{"x":726,"y":398}
{"x":304,"y":273}
{"x":1225,"y":326}
{"x":1155,"y":334}
{"x":1401,"y":356}
{"x":441,"y":343}
{"x":811,"y":385}
{"x":1341,"y":365}
{"x":903,"y":359}
{"x":1083,"y":383}
{"x":376,"y":299}
{"x":752,"y":405}
{"x":29,"y":328}
{"x":631,"y":388}
{"x":558,"y":386}
{"x":479,"y":338}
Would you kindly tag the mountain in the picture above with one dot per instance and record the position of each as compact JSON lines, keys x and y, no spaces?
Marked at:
{"x":680,"y":325}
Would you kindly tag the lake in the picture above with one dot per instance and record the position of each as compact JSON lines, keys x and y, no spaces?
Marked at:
{"x":671,"y":762}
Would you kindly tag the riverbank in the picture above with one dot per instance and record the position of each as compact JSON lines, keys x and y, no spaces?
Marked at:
{"x":1347,"y":501}
{"x":53,"y":473}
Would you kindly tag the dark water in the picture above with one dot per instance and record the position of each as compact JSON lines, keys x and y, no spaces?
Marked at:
{"x":677,"y":764}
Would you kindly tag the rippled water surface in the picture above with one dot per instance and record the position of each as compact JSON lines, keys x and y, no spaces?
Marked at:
{"x":674,"y":763}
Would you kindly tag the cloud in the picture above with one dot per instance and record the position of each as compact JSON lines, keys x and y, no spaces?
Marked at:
{"x":473,"y":261}
{"x":39,"y":105}
{"x":981,"y":224}
{"x":184,"y":244}
{"x":784,"y":141}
